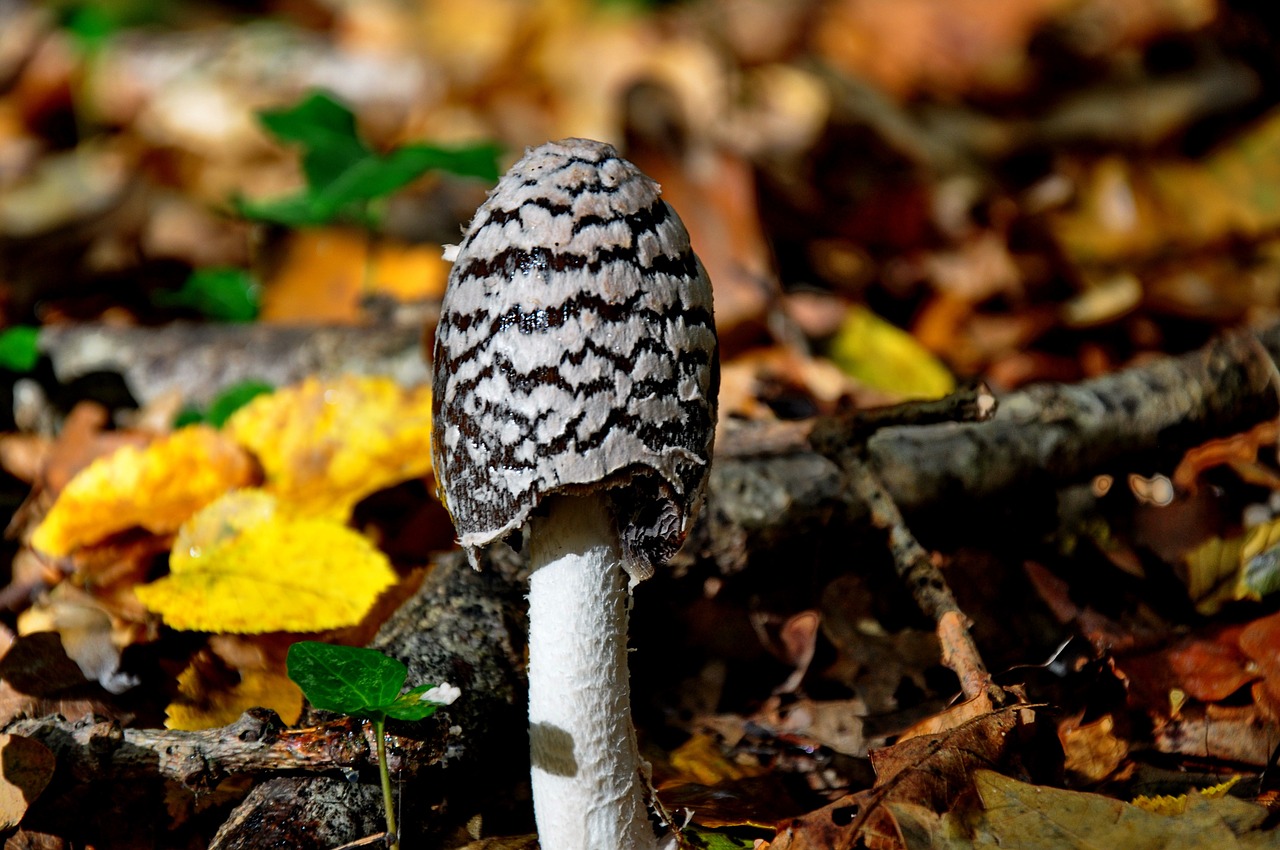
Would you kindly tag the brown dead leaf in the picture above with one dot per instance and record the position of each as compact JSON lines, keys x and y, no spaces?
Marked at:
{"x":1130,"y":209}
{"x":1260,"y":641}
{"x":1220,"y":733}
{"x":952,"y":718}
{"x":26,"y":766}
{"x":837,"y":724}
{"x":1238,"y":448}
{"x":934,"y":771}
{"x":753,"y":385}
{"x":943,"y":48}
{"x":1211,"y":667}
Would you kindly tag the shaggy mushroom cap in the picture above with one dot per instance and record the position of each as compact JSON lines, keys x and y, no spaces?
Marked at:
{"x":576,"y":352}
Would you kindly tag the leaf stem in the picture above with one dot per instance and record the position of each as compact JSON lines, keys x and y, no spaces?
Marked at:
{"x":380,"y":729}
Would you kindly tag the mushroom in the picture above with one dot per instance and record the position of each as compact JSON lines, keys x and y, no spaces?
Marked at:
{"x":575,"y":401}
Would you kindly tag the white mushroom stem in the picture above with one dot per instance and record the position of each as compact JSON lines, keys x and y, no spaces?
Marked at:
{"x":589,"y":785}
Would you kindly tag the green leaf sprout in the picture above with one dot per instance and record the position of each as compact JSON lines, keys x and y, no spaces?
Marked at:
{"x":361,"y":683}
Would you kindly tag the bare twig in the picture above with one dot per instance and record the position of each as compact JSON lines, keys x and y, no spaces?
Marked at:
{"x":843,"y":439}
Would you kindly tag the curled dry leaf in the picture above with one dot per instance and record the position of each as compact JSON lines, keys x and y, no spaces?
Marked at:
{"x":156,"y":488}
{"x":89,"y":635}
{"x":242,"y":566}
{"x":325,"y":444}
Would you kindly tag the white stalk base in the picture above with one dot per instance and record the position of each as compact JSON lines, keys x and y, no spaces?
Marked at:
{"x":588,"y":789}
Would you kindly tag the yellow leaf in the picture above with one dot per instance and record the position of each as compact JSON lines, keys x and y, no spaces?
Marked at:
{"x":156,"y":487}
{"x":241,"y":566}
{"x":1165,"y":804}
{"x":326,"y":444}
{"x":199,"y":706}
{"x":882,"y":356}
{"x":1244,"y":567}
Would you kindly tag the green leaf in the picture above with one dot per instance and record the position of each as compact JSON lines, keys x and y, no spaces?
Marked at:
{"x":19,"y":351}
{"x":411,"y":706}
{"x":478,"y":160}
{"x":298,"y":210}
{"x":718,"y":839}
{"x":233,"y":398}
{"x":223,"y":294}
{"x":91,"y":26}
{"x":348,"y":679}
{"x":343,"y":174}
{"x":327,"y":131}
{"x":224,"y":404}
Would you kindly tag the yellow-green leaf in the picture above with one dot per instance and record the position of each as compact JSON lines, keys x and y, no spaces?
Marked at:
{"x":883,"y":356}
{"x":1245,"y":567}
{"x":243,"y":566}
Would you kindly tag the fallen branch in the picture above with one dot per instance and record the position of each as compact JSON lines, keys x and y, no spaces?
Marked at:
{"x":768,"y":488}
{"x":92,"y":749}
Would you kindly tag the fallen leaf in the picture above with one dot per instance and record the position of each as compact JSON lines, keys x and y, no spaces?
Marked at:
{"x":883,"y":356}
{"x":87,"y":631}
{"x":1093,"y":752}
{"x":26,"y":766}
{"x":1022,"y":815}
{"x":1217,"y":732}
{"x":1165,"y":804}
{"x":211,"y":695}
{"x":1260,"y":641}
{"x":837,"y":724}
{"x":933,"y":771}
{"x":702,"y":760}
{"x":326,"y":444}
{"x":1129,"y":210}
{"x":327,"y":273}
{"x":1244,"y":567}
{"x":242,"y":566}
{"x":156,"y":488}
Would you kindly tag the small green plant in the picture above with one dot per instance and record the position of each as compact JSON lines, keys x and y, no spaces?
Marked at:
{"x":361,"y":683}
{"x":224,"y":404}
{"x":224,"y":294}
{"x":344,"y":175}
{"x":19,"y":348}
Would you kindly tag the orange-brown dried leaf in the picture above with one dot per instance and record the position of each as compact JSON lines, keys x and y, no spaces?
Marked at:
{"x":1260,"y":640}
{"x":325,"y":444}
{"x":934,"y":771}
{"x":1211,"y":667}
{"x":156,"y":488}
{"x":1093,"y":751}
{"x":328,"y":272}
